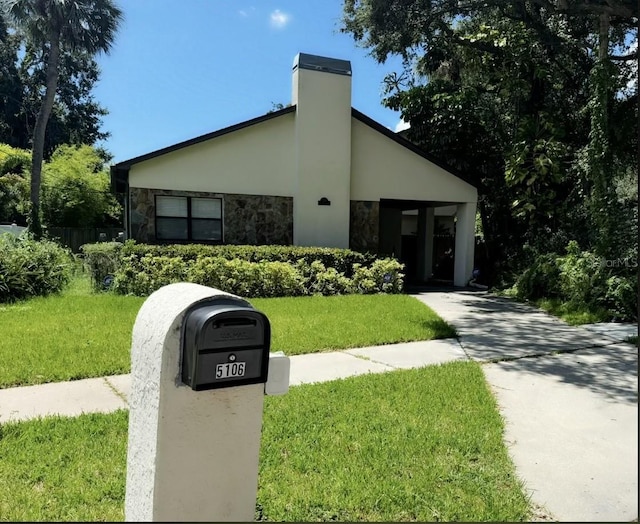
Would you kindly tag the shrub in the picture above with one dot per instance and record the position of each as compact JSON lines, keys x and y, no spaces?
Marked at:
{"x":621,"y":297}
{"x":320,"y":280}
{"x":247,"y":279}
{"x":582,"y":278}
{"x":249,"y":271}
{"x":143,"y":276}
{"x":32,"y":268}
{"x":384,"y":276}
{"x":101,"y":260}
{"x":541,"y":279}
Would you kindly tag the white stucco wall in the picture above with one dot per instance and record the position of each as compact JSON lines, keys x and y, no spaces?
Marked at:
{"x":256,"y":160}
{"x":382,"y":168}
{"x":323,"y":158}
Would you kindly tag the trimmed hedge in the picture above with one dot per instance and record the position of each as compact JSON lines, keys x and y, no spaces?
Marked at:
{"x":32,"y":268}
{"x":342,"y":260}
{"x":248,"y":271}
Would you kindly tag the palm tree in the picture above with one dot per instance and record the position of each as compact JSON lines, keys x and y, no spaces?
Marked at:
{"x":55,"y":26}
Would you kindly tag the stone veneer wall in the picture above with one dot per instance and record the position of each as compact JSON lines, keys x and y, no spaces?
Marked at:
{"x":364,"y":225}
{"x":247,"y":219}
{"x":258,"y":219}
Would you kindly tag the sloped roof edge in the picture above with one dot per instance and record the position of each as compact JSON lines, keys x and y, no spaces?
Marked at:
{"x":409,"y":145}
{"x":202,"y":138}
{"x":120,"y":171}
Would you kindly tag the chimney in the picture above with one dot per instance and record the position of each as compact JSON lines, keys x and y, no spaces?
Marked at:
{"x":322,"y":95}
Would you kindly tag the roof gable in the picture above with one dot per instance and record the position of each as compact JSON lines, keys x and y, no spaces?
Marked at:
{"x":370,"y":122}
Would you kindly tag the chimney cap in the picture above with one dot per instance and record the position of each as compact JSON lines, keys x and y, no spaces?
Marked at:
{"x":322,"y":63}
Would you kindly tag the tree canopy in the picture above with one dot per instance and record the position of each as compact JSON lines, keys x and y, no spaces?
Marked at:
{"x":520,"y":95}
{"x":75,"y":189}
{"x":54,"y":30}
{"x":76,"y":115}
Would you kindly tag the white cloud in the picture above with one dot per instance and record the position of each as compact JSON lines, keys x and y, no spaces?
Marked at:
{"x":401,"y":126}
{"x":247,"y":12}
{"x":278,"y":19}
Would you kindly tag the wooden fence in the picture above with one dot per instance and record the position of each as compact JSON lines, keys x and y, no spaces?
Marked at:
{"x":74,"y":237}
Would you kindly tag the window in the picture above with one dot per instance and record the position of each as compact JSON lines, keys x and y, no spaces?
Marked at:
{"x":188,"y":218}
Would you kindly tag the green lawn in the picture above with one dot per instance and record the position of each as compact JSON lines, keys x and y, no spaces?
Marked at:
{"x":79,"y":334}
{"x":65,"y":337}
{"x":312,"y":324}
{"x":415,"y":445}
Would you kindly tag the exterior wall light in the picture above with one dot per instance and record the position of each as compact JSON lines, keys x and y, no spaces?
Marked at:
{"x":324,"y":201}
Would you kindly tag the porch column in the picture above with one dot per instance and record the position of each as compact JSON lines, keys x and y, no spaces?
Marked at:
{"x":465,"y":243}
{"x":426,"y":221}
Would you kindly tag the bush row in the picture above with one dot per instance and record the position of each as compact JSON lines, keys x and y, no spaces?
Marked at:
{"x":583,"y":278}
{"x":103,"y":259}
{"x":251,"y":271}
{"x":340,"y":259}
{"x":31,"y":268}
{"x":142,"y":276}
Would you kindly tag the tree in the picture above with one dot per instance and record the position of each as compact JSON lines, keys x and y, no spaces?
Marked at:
{"x":75,"y":117}
{"x":55,"y":26}
{"x":14,"y":184}
{"x":505,"y":91}
{"x":10,"y":88}
{"x":75,"y":190}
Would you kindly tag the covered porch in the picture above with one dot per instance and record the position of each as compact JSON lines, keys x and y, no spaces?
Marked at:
{"x":427,"y":235}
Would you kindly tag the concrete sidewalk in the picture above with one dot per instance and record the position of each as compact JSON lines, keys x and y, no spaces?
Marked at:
{"x":568,"y":396}
{"x":106,"y":394}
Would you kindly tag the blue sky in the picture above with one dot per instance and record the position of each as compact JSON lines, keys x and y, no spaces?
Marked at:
{"x":182,"y":69}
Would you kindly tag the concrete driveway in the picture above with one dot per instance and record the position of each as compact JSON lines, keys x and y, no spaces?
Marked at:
{"x":568,"y":396}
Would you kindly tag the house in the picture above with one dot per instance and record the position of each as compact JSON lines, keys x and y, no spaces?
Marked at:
{"x":316,"y":173}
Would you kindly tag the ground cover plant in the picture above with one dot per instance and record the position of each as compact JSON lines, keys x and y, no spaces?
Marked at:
{"x":79,"y":334}
{"x":580,"y":287}
{"x":415,"y":445}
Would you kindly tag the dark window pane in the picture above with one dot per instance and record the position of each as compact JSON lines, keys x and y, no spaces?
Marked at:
{"x":167,"y":206}
{"x":206,"y":208}
{"x":206,"y":230}
{"x":171,"y":229}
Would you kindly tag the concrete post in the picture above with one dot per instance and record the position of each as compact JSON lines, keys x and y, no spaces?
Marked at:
{"x":426,"y":222}
{"x":192,"y":455}
{"x":465,"y":243}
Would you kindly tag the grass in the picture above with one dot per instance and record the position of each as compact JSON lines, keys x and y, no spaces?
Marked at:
{"x":77,"y":334}
{"x":573,"y":314}
{"x":415,"y":445}
{"x":312,"y":324}
{"x":65,"y":337}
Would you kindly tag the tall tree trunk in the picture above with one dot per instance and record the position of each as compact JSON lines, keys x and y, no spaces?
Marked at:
{"x":39,"y":130}
{"x":601,"y":165}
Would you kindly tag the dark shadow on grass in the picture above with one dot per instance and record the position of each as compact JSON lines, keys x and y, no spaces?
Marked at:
{"x":439,"y":328}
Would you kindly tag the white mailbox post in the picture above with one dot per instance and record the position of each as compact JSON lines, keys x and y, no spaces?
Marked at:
{"x":200,"y":367}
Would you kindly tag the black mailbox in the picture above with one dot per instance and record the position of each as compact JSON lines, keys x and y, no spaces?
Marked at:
{"x":225,"y":343}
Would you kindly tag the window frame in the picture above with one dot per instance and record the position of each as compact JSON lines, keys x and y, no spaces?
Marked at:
{"x":189,"y":218}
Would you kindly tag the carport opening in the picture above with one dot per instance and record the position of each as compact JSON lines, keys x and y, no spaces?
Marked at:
{"x":421,"y":234}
